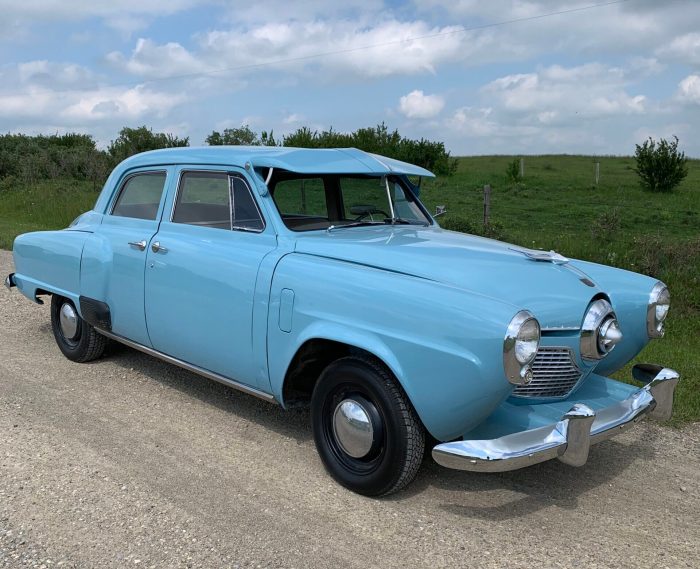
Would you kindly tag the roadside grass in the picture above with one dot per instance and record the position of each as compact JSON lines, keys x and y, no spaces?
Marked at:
{"x":556,"y":206}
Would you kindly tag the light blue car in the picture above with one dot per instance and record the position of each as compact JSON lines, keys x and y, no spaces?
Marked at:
{"x":316,"y":277}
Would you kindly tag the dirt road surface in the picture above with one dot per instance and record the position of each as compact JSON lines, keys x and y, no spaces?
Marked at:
{"x":128,"y":461}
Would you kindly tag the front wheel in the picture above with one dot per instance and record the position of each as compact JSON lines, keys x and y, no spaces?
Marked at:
{"x":366,"y":430}
{"x":77,"y":339}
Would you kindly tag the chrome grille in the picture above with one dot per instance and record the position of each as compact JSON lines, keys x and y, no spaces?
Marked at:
{"x":554,"y":372}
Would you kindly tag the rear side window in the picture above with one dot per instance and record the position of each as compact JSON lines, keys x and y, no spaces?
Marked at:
{"x":140,"y":196}
{"x":204,"y":200}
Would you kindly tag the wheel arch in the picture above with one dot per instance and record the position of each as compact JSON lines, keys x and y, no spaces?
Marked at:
{"x":319,"y":348}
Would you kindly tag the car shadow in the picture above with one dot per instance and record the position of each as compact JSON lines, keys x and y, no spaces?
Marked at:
{"x":531,"y":489}
{"x":468,"y":494}
{"x":293,"y":423}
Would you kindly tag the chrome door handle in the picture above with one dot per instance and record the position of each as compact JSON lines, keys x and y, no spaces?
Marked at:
{"x":140,"y":245}
{"x":158,"y":248}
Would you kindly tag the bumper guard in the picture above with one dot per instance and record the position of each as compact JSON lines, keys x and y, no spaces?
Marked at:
{"x":571,"y":437}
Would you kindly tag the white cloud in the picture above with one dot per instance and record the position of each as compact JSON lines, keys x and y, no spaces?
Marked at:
{"x":689,"y":89}
{"x":417,"y":105}
{"x":684,"y":48}
{"x":120,"y":14}
{"x":68,"y":94}
{"x":557,"y":94}
{"x":334,"y":46}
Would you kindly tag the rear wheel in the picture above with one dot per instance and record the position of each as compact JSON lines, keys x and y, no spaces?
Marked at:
{"x":366,"y":430}
{"x":77,"y":339}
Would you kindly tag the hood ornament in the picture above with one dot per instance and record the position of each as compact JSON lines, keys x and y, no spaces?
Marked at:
{"x":543,"y":256}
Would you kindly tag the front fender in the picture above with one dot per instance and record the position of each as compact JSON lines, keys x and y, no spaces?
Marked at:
{"x":444,"y":345}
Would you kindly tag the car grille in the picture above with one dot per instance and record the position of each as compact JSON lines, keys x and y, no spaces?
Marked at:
{"x":554,"y":371}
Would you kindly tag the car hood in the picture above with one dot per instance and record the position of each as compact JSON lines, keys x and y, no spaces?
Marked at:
{"x":557,"y":294}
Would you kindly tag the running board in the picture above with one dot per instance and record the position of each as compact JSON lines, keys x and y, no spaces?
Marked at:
{"x":189,"y":367}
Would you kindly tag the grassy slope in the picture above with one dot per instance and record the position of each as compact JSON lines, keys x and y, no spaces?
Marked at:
{"x":555,"y":207}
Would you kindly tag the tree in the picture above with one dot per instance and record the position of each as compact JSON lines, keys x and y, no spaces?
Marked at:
{"x":241,"y":136}
{"x":134,"y":140}
{"x":661,"y":166}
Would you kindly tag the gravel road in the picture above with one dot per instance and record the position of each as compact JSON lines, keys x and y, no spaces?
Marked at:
{"x":132,"y":462}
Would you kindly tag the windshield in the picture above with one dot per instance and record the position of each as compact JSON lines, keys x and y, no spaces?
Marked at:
{"x":314,"y":202}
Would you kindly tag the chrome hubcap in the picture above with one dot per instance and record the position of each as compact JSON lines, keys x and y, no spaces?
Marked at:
{"x":352,"y":428}
{"x":69,"y":321}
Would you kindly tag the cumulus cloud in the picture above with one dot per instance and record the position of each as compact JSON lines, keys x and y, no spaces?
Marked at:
{"x":684,"y":48}
{"x":417,"y":105}
{"x":689,"y":90}
{"x":69,"y":94}
{"x":384,"y":48}
{"x":556,"y":93}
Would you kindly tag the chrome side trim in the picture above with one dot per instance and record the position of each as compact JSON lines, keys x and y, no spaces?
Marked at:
{"x":189,"y":367}
{"x":570,"y":438}
{"x":10,"y":281}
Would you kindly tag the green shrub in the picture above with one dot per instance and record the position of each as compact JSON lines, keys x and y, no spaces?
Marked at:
{"x":513,"y":172}
{"x":660,"y":166}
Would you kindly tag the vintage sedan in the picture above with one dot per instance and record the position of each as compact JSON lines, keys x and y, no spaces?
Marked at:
{"x":317,"y":277}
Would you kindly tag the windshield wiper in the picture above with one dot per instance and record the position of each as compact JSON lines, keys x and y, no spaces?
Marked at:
{"x":402,"y":221}
{"x":354,"y":224}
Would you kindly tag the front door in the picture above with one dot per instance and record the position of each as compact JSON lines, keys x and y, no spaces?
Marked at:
{"x":201,"y":274}
{"x":126,"y":230}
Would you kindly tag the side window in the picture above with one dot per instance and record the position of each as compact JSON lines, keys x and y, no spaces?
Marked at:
{"x":246,"y":215}
{"x":140,"y":196}
{"x":301,"y":198}
{"x":203,"y":199}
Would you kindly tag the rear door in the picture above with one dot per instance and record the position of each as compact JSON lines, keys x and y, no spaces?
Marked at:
{"x":202,"y":270}
{"x":126,"y":231}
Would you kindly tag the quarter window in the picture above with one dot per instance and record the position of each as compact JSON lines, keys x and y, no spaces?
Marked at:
{"x":140,"y":196}
{"x":246,"y":215}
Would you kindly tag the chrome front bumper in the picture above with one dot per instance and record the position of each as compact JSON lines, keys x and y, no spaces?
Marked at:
{"x":570,"y":438}
{"x":10,"y":280}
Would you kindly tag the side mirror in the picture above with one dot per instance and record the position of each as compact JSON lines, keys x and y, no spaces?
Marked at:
{"x":440,"y":210}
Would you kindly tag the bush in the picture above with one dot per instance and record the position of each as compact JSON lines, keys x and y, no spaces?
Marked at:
{"x":513,"y":172}
{"x":379,"y":140}
{"x":607,"y":225}
{"x":660,"y":166}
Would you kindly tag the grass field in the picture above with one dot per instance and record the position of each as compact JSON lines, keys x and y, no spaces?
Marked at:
{"x":556,"y":206}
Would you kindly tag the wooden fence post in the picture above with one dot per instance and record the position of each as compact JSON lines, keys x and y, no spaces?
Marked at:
{"x":522,"y":167}
{"x":597,"y":173}
{"x":487,"y":204}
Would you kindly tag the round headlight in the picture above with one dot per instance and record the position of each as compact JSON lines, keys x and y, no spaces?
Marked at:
{"x":600,"y":332}
{"x":527,"y":341}
{"x":659,"y":303}
{"x":520,"y":347}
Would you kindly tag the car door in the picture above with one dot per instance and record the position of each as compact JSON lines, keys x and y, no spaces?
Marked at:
{"x":202,"y":270}
{"x":126,"y":230}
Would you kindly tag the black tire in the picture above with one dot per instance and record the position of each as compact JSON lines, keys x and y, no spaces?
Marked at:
{"x":398,"y":444}
{"x":86,"y":345}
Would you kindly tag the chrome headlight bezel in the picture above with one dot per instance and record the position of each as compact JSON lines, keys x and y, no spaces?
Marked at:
{"x":599,"y":321}
{"x":659,"y":298}
{"x":519,"y":351}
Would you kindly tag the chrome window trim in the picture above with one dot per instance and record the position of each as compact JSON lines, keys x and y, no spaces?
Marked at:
{"x":126,"y":179}
{"x":229,"y":175}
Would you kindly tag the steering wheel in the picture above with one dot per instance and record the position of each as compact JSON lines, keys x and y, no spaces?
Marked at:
{"x":369,"y":213}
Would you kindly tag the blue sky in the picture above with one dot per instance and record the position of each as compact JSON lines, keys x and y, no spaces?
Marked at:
{"x":597,"y":80}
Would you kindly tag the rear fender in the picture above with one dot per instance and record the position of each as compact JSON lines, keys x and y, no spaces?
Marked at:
{"x":49,"y":262}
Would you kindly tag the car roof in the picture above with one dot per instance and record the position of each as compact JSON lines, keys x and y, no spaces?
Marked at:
{"x":301,"y":160}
